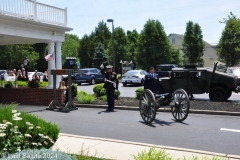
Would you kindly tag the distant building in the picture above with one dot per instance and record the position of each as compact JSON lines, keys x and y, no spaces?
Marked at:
{"x":209,"y":53}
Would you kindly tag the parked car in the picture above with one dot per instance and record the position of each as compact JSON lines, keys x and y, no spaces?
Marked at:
{"x":30,"y":75}
{"x":235,"y":71}
{"x":134,"y":77}
{"x":88,"y":75}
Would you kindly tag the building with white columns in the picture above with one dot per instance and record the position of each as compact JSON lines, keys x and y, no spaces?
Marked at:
{"x":27,"y":21}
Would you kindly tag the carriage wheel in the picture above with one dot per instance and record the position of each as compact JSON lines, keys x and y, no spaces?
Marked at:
{"x":180,"y":105}
{"x":147,"y":106}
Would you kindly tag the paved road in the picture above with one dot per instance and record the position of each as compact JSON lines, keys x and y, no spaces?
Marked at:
{"x":201,"y":132}
{"x":129,"y":91}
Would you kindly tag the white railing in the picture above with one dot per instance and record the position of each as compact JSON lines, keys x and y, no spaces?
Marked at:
{"x":30,"y":9}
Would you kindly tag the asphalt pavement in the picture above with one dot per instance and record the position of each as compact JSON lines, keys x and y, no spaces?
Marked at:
{"x":118,"y":149}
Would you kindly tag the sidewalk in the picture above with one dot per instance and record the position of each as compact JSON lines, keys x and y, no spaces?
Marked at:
{"x":122,"y":150}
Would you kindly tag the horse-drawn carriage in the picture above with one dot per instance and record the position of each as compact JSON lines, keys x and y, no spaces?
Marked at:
{"x":150,"y":102}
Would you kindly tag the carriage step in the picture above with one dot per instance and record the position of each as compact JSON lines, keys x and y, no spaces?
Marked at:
{"x":162,"y":95}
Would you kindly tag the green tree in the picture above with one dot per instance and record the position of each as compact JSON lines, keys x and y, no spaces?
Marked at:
{"x":176,"y":58}
{"x":120,"y":48}
{"x":89,"y":42}
{"x":86,"y":51}
{"x":193,"y":45}
{"x":12,"y":56}
{"x":102,"y":34}
{"x":100,"y":56}
{"x":154,"y":46}
{"x":132,"y":45}
{"x":228,"y":48}
{"x":70,"y":48}
{"x":41,"y":49}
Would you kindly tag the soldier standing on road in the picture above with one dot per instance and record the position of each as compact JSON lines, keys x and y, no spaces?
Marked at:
{"x":111,"y":83}
{"x":152,"y":81}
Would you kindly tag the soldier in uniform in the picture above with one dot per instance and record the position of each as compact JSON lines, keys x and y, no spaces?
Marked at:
{"x":111,"y":83}
{"x":152,"y":81}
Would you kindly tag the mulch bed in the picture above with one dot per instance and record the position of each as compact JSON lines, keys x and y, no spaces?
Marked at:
{"x":194,"y":104}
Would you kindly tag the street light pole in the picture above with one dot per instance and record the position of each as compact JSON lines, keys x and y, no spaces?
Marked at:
{"x":113,"y":54}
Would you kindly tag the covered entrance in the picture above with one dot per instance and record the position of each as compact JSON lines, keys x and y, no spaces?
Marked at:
{"x":27,"y":21}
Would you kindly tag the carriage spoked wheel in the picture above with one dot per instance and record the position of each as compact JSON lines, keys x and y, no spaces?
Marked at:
{"x":147,"y":106}
{"x":180,"y":105}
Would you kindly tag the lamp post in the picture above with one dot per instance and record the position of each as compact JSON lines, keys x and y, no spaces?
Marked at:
{"x":113,"y":54}
{"x":121,"y":62}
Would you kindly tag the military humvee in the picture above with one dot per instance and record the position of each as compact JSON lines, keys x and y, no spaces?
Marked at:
{"x":198,"y":80}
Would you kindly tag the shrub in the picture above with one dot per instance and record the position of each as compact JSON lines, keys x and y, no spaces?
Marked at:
{"x":97,"y":89}
{"x":81,"y":92}
{"x":152,"y":154}
{"x":42,"y":154}
{"x":74,"y":90}
{"x":102,"y":92}
{"x":25,"y":84}
{"x":139,"y":92}
{"x":9,"y":84}
{"x":85,"y":98}
{"x":33,"y":84}
{"x":104,"y":98}
{"x":43,"y":84}
{"x":117,"y":93}
{"x":27,"y":131}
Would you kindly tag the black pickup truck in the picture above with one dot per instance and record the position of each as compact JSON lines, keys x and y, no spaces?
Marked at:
{"x":163,"y":70}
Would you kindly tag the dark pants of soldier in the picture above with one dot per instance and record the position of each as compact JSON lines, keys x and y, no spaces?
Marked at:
{"x":110,"y":99}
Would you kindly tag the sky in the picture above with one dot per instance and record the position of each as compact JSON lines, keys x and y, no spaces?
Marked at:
{"x":84,"y":15}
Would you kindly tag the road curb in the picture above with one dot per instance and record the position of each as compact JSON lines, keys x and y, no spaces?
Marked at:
{"x":160,"y":109}
{"x":155,"y":146}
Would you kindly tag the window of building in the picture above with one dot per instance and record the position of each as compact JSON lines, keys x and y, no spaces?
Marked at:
{"x":173,"y":40}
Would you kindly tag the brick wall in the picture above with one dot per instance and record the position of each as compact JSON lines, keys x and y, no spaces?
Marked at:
{"x":36,"y":96}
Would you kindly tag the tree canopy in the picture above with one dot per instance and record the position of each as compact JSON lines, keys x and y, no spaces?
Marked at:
{"x":12,"y":56}
{"x":70,"y":48}
{"x":228,"y":48}
{"x":154,"y":47}
{"x":100,"y":56}
{"x":193,"y":45}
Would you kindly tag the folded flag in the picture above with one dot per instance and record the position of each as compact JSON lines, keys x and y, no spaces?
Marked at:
{"x":49,"y":57}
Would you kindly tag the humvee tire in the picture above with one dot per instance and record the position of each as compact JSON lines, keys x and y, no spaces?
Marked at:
{"x":124,"y":84}
{"x":218,"y":94}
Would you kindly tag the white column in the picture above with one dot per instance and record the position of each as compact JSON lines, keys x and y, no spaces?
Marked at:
{"x":51,"y":65}
{"x":58,"y":61}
